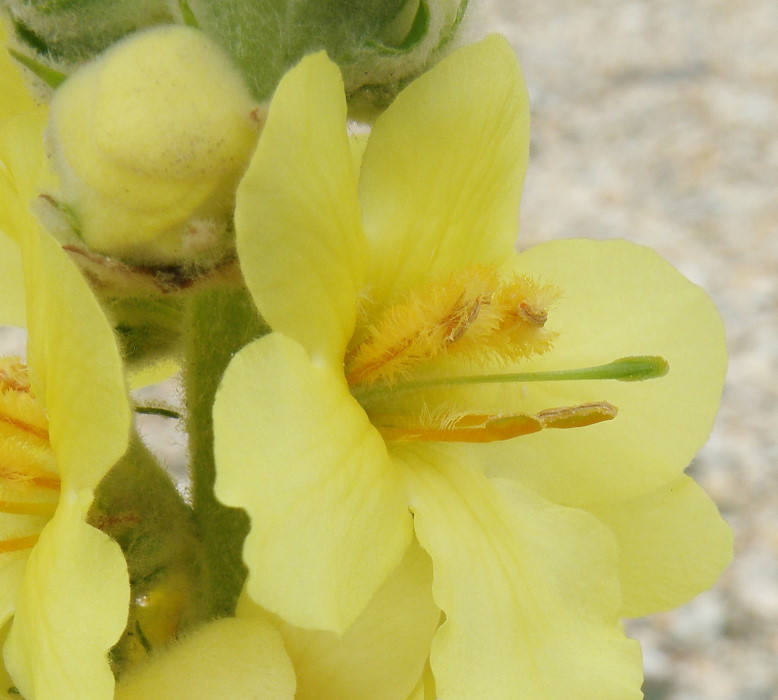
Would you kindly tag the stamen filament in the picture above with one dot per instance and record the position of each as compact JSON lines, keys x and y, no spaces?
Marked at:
{"x":28,"y":508}
{"x":16,"y":544}
{"x":480,"y":428}
{"x":492,"y":429}
{"x":625,"y":369}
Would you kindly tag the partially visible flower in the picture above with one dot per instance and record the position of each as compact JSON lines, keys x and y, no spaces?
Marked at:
{"x":384,"y":651}
{"x":227,"y":658}
{"x":64,"y":421}
{"x":374,"y":413}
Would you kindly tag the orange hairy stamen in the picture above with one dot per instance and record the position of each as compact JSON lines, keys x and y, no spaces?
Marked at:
{"x":480,"y":428}
{"x":474,"y":314}
{"x":13,"y":375}
{"x":23,"y":426}
{"x":421,"y":326}
{"x":17,"y":544}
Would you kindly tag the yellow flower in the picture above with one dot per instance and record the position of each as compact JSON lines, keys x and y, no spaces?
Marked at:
{"x":64,"y":421}
{"x":350,"y":430}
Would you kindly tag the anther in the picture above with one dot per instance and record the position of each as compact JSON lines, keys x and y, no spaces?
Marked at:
{"x":537,"y":317}
{"x":481,"y":428}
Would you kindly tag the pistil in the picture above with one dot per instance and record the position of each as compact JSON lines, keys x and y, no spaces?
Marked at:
{"x":624,"y":369}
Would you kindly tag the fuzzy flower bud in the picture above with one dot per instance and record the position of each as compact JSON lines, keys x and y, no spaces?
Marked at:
{"x":149,"y":141}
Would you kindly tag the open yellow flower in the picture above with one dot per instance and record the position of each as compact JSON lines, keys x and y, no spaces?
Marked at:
{"x":370,"y":415}
{"x":64,"y":421}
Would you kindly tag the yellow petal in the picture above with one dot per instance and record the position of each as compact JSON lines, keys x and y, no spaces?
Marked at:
{"x":673,"y":544}
{"x":12,"y":567}
{"x":425,"y":688}
{"x":22,"y":158}
{"x":328,"y":513}
{"x":12,"y":302}
{"x":228,"y":658}
{"x":76,"y":364}
{"x":16,"y":97}
{"x":5,"y":680}
{"x":381,"y":655}
{"x":297,"y":217}
{"x":619,"y":299}
{"x":529,"y":589}
{"x":441,"y":177}
{"x":72,"y":608}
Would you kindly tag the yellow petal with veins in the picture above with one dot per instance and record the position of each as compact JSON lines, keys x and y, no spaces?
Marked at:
{"x":328,"y":509}
{"x":74,"y":574}
{"x":531,"y":612}
{"x":297,"y":216}
{"x":673,"y":544}
{"x":442,"y":172}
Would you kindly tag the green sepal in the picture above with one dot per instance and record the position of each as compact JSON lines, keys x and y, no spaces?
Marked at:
{"x":187,"y":15}
{"x":70,"y":32}
{"x":379,"y":44}
{"x":52,"y":78}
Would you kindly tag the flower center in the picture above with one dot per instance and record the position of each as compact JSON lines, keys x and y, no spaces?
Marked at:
{"x":473,"y":315}
{"x":420,"y":345}
{"x":29,"y":482}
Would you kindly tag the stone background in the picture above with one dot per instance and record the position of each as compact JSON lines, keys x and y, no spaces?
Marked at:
{"x":655,"y":120}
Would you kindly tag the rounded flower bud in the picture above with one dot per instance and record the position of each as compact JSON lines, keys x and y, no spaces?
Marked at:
{"x":149,"y":141}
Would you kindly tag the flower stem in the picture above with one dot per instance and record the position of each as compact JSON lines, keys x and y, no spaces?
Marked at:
{"x":222,"y":321}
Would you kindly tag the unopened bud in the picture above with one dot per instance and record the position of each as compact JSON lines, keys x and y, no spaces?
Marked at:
{"x":149,"y":140}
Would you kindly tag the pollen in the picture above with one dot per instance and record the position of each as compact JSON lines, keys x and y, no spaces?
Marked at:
{"x":475,"y":314}
{"x":29,"y":481}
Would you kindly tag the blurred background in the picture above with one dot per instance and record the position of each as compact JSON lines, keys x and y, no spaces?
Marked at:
{"x":657,"y":121}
